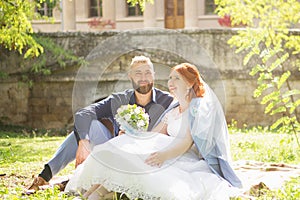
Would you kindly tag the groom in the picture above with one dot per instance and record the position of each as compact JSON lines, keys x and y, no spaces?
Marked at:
{"x":95,"y":124}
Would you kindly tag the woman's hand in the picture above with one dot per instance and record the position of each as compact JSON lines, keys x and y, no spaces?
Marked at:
{"x":156,"y":159}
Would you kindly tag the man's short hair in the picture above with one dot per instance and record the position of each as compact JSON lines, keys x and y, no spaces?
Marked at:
{"x":138,"y":60}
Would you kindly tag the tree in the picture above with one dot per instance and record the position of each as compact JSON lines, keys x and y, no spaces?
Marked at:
{"x":268,"y":39}
{"x":16,"y":34}
{"x":16,"y":29}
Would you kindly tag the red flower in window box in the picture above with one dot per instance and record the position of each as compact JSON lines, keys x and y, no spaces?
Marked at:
{"x":99,"y":22}
{"x":226,"y":21}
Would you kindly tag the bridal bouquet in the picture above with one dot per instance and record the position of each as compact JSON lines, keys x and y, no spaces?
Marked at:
{"x":132,"y":118}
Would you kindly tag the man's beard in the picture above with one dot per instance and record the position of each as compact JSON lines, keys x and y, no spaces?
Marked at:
{"x":142,"y":89}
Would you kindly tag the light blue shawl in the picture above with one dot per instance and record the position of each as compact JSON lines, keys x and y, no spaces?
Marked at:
{"x":210,"y":134}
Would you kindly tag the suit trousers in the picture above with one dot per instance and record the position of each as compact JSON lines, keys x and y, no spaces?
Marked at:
{"x":66,"y":153}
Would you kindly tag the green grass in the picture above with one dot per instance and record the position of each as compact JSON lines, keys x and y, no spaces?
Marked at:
{"x":265,"y":147}
{"x":24,"y":152}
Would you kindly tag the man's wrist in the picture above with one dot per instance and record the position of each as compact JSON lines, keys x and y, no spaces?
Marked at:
{"x":85,"y":143}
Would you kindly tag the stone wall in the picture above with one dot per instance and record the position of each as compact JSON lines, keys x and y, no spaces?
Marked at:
{"x":51,"y":101}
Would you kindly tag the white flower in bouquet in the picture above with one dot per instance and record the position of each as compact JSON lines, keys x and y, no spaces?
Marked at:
{"x":132,"y":118}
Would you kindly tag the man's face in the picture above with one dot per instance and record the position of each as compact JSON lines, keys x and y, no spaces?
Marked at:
{"x":142,"y":78}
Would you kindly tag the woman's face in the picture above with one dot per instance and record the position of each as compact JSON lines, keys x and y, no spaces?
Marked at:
{"x":177,"y":85}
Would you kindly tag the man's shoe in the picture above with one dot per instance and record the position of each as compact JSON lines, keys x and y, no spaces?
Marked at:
{"x":62,"y":185}
{"x":37,"y":182}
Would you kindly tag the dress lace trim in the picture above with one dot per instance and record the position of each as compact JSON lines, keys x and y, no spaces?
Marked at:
{"x":130,"y":185}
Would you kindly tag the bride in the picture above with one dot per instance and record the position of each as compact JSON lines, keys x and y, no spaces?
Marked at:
{"x":185,"y":157}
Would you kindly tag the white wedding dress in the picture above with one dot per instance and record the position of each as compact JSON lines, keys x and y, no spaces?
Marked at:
{"x":119,"y":166}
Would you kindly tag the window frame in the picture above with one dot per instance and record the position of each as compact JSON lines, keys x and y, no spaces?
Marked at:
{"x":46,"y":8}
{"x":212,"y":5}
{"x":137,"y":10}
{"x":98,"y":8}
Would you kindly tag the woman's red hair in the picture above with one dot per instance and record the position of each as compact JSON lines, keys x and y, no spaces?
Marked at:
{"x":191,"y":75}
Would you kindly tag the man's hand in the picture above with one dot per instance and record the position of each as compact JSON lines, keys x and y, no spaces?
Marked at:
{"x":156,"y":159}
{"x":84,"y":149}
{"x":121,"y":132}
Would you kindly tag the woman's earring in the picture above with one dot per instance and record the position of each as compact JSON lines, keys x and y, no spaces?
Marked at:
{"x":188,"y":90}
{"x":187,"y":93}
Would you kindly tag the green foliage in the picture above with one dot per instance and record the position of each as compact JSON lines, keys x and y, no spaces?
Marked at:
{"x":16,"y":33}
{"x":3,"y":75}
{"x":265,"y":147}
{"x":16,"y":29}
{"x":263,"y":144}
{"x":267,"y":40}
{"x":54,"y":54}
{"x":141,"y":3}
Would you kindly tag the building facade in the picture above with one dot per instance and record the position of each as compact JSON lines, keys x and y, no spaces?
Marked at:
{"x":95,"y":15}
